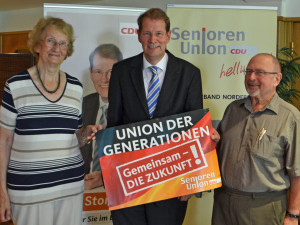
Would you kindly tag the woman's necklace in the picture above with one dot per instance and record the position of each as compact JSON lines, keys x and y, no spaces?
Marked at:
{"x":58,"y":84}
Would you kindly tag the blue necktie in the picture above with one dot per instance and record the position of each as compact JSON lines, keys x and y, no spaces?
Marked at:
{"x":153,"y":91}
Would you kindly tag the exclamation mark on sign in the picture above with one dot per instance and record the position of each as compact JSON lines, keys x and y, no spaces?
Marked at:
{"x":195,"y":153}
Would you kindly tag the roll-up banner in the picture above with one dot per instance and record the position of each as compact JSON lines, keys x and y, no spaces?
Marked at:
{"x":220,"y":40}
{"x":94,"y":26}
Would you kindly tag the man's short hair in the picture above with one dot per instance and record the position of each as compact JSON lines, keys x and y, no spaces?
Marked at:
{"x":154,"y":14}
{"x":109,"y":51}
{"x":276,"y":62}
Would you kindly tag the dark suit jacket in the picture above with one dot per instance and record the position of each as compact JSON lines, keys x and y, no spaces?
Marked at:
{"x":90,"y":107}
{"x":181,"y":91}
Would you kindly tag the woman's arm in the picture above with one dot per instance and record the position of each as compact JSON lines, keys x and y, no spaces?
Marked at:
{"x":6,"y":140}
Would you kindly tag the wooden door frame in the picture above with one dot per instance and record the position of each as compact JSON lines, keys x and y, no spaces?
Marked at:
{"x":14,"y":33}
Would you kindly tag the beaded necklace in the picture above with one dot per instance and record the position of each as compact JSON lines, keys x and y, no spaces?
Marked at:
{"x":58,"y":84}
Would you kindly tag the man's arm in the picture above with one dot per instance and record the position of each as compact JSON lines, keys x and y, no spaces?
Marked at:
{"x":194,"y":100}
{"x":294,"y":202}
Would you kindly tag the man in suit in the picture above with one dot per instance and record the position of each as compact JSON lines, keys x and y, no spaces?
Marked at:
{"x":180,"y":91}
{"x":94,"y":109}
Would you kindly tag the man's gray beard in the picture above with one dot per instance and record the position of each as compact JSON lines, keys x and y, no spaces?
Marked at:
{"x":253,"y":94}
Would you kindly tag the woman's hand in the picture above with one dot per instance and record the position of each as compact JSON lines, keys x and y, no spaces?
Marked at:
{"x":87,"y":134}
{"x":5,"y":213}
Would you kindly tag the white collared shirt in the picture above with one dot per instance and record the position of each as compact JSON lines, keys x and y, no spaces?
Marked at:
{"x":147,"y":73}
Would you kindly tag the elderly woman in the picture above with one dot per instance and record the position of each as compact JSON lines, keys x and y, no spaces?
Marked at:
{"x":41,"y":168}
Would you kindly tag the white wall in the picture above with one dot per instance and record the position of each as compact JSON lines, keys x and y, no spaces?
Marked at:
{"x":19,"y":20}
{"x":163,"y":3}
{"x":290,"y":8}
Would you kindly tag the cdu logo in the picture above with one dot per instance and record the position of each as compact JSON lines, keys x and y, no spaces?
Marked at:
{"x":128,"y":29}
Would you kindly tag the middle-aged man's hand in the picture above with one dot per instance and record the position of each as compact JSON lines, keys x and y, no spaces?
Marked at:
{"x":290,"y":221}
{"x":215,"y":135}
{"x":184,"y":197}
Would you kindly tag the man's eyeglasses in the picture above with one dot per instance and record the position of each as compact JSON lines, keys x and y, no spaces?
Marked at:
{"x":51,"y":43}
{"x":102,"y":74}
{"x":257,"y":73}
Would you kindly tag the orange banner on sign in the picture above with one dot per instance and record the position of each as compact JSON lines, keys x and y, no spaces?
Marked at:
{"x":95,"y":201}
{"x":185,"y":162}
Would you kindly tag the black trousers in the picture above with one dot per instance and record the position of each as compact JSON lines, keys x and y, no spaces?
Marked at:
{"x":166,"y":212}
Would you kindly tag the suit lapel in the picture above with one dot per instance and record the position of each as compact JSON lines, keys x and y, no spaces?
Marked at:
{"x":167,"y":89}
{"x":136,"y":75}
